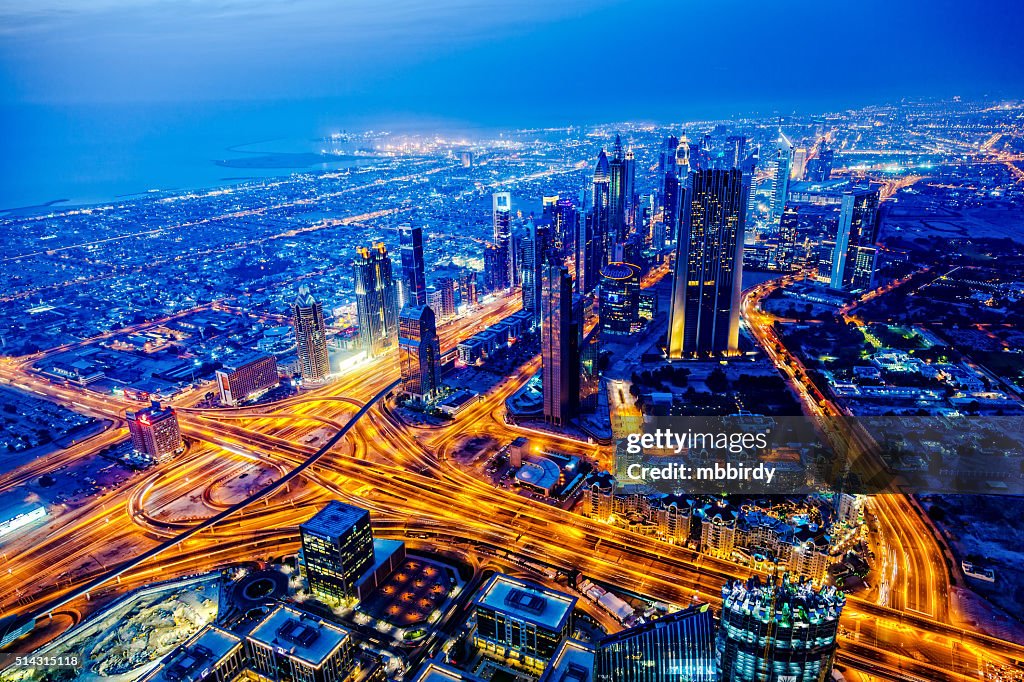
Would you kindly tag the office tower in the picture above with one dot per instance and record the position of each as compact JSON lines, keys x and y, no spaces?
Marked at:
{"x":376,"y":303}
{"x":562,"y":215}
{"x":468,"y":288}
{"x":736,"y":150}
{"x":419,"y":351}
{"x":796,"y":172}
{"x":211,"y":655}
{"x":535,"y":250}
{"x":782,"y":630}
{"x":155,"y":432}
{"x":310,"y":336}
{"x":414,"y":281}
{"x":671,"y":204}
{"x":516,"y":619}
{"x":787,"y":250}
{"x":242,"y":378}
{"x":601,"y":204}
{"x":855,"y":252}
{"x":629,"y":186}
{"x":749,"y":168}
{"x":819,"y":168}
{"x":496,"y":267}
{"x":290,"y":645}
{"x":780,"y":176}
{"x":336,"y":550}
{"x":589,"y":254}
{"x":620,"y":298}
{"x":560,"y":346}
{"x":446,"y":287}
{"x":616,"y":196}
{"x":683,"y":159}
{"x":501,"y":216}
{"x":679,"y":646}
{"x":704,"y":312}
{"x":667,"y":155}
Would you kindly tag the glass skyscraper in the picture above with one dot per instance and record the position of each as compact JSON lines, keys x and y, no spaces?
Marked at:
{"x":310,"y":336}
{"x":855,"y":252}
{"x":376,"y":302}
{"x":679,"y":647}
{"x":413,"y":275}
{"x":336,"y":549}
{"x":704,"y":311}
{"x":419,"y":351}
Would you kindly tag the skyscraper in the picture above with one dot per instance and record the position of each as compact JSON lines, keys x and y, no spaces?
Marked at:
{"x":602,"y":203}
{"x":855,"y":253}
{"x":616,"y":196}
{"x":413,"y":277}
{"x":620,"y":298}
{"x":796,"y":171}
{"x":562,"y":215}
{"x":674,"y":648}
{"x":535,"y":250}
{"x":704,"y":312}
{"x":560,"y":346}
{"x":749,"y":168}
{"x":446,"y":285}
{"x":667,"y":155}
{"x":246,"y":375}
{"x":819,"y":168}
{"x":736,"y":146}
{"x":501,"y":216}
{"x":336,"y":549}
{"x":629,"y":186}
{"x":780,"y":176}
{"x":155,"y":432}
{"x":782,"y":630}
{"x":376,"y":303}
{"x":496,"y":267}
{"x":310,"y":336}
{"x":419,"y":351}
{"x":786,"y":252}
{"x":589,"y":254}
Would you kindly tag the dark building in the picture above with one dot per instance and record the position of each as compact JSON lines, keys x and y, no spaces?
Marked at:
{"x":419,"y":351}
{"x":310,"y":336}
{"x":561,"y":329}
{"x":674,"y":648}
{"x":601,"y":206}
{"x":413,"y":277}
{"x":535,"y":250}
{"x":620,"y":298}
{"x":616,"y":197}
{"x":290,"y":645}
{"x":736,"y":149}
{"x":496,"y":269}
{"x":671,"y":195}
{"x":376,"y":302}
{"x":337,"y":549}
{"x":819,"y":168}
{"x":704,"y":312}
{"x":589,"y":255}
{"x":521,"y":621}
{"x":856,"y":251}
{"x":782,"y":630}
{"x":446,"y":287}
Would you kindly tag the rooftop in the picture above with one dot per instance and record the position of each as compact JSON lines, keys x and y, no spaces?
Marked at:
{"x":526,"y":601}
{"x":438,"y":672}
{"x":193,"y":661}
{"x":305,"y":637}
{"x":334,"y":519}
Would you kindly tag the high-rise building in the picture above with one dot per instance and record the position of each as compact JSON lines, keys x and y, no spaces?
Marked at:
{"x":786,"y":253}
{"x":589,"y":254}
{"x":796,"y":171}
{"x":749,"y":168}
{"x":413,"y":278}
{"x":496,"y":267}
{"x":446,"y":285}
{"x":419,"y":351}
{"x":856,"y":252}
{"x":667,"y":155}
{"x":468,"y":288}
{"x":336,"y":550}
{"x":376,"y":303}
{"x":671,"y":196}
{"x":521,"y":621}
{"x":704,"y":311}
{"x":679,"y":646}
{"x":780,"y":176}
{"x":501,"y":216}
{"x":155,"y":431}
{"x":629,"y":186}
{"x":535,"y":250}
{"x":240,"y":379}
{"x":310,"y":336}
{"x":601,"y":206}
{"x":819,"y":168}
{"x":562,"y":215}
{"x":736,"y":150}
{"x":289,"y":645}
{"x":616,"y":196}
{"x":782,"y":630}
{"x":620,"y":298}
{"x":560,"y":346}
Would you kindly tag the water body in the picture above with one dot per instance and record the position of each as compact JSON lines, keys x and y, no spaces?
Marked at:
{"x":87,"y":154}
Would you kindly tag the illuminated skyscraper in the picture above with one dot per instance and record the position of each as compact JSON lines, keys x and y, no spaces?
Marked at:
{"x":796,"y":171}
{"x":783,"y":630}
{"x":155,"y":431}
{"x":563,"y":217}
{"x":501,"y":215}
{"x":310,"y":336}
{"x":376,"y":303}
{"x":749,"y":168}
{"x":819,"y":168}
{"x":787,"y":250}
{"x":679,"y":647}
{"x":589,"y":254}
{"x":419,"y":351}
{"x":413,"y":277}
{"x":629,"y":186}
{"x":601,"y":205}
{"x":704,"y":312}
{"x":336,"y":549}
{"x":855,"y":253}
{"x":560,"y":346}
{"x":496,"y":267}
{"x":245,"y":376}
{"x":667,"y":156}
{"x":780,"y":176}
{"x":446,"y":311}
{"x":620,"y":298}
{"x":616,"y":196}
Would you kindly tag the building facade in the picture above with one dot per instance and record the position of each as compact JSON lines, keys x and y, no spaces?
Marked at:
{"x":419,"y":351}
{"x":155,"y":432}
{"x":376,"y":301}
{"x":856,"y":252}
{"x":679,"y":646}
{"x":336,"y":550}
{"x":241,"y":379}
{"x":560,"y":346}
{"x":310,"y":336}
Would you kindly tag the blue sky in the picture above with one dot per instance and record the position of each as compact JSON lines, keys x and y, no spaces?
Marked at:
{"x":503,"y":61}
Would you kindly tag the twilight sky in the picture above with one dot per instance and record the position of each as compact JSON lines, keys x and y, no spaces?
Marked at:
{"x":496,"y":61}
